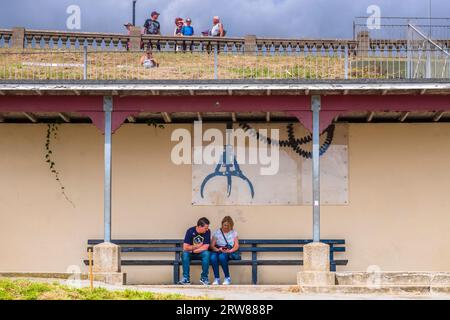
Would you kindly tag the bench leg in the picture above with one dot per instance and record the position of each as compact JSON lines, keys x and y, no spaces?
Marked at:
{"x":176,"y":273}
{"x":254,"y":273}
{"x":332,"y":263}
{"x":254,"y":266}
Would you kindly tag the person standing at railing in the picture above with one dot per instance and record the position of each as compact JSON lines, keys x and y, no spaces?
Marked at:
{"x":179,"y":22}
{"x":187,"y":30}
{"x":178,"y":26}
{"x":128,"y":27}
{"x":217,"y":29}
{"x":153,"y":27}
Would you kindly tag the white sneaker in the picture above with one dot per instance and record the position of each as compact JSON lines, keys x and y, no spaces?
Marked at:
{"x":216,"y":281}
{"x":226,"y":281}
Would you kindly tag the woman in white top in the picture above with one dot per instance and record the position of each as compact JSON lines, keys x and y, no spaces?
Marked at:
{"x":224,"y":245}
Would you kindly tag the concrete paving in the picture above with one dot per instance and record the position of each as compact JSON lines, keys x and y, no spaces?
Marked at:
{"x":250,"y":292}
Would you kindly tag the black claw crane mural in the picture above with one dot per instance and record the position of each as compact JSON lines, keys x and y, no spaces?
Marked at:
{"x":227,"y":167}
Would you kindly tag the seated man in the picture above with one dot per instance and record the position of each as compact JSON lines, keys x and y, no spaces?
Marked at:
{"x":196,"y":244}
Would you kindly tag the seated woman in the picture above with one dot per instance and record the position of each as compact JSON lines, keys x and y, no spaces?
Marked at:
{"x":224,"y":247}
{"x":147,"y":60}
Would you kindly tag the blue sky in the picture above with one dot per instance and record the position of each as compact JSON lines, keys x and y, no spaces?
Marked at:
{"x":271,"y":18}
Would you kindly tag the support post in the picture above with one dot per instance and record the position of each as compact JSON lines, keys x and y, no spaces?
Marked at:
{"x":107,"y":255}
{"x":107,"y":108}
{"x":316,"y":255}
{"x":315,"y":108}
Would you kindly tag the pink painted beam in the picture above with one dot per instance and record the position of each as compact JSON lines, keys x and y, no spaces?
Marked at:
{"x":212,"y":103}
{"x":386,"y":103}
{"x":34,"y":103}
{"x":298,"y":106}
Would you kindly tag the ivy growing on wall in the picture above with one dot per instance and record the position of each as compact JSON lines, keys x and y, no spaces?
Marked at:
{"x":52,"y":133}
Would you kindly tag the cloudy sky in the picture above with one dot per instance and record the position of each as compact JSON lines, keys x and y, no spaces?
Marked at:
{"x":278,"y":18}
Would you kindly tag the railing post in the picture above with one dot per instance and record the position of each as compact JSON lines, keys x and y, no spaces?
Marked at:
{"x":363,"y":39}
{"x":409,"y":52}
{"x":85,"y":61}
{"x":346,"y":62}
{"x":216,"y":73}
{"x":18,"y":38}
{"x":315,"y":108}
{"x":428,"y":66}
{"x":250,"y":45}
{"x":135,"y":38}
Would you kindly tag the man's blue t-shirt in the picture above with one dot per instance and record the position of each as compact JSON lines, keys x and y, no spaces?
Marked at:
{"x":193,"y":237}
{"x":187,"y":31}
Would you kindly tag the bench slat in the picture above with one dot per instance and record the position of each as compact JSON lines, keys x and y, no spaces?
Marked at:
{"x":243,"y":241}
{"x":242,"y":249}
{"x":231,"y":262}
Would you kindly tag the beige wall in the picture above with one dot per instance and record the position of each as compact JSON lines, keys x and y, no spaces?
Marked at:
{"x":398,"y":217}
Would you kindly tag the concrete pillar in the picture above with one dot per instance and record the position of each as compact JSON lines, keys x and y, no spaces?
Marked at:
{"x":316,"y":266}
{"x":135,"y":38}
{"x":106,"y":258}
{"x":363,"y":43}
{"x":18,"y":38}
{"x":250,"y":44}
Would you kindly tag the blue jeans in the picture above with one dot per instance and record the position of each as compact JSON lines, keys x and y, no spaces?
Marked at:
{"x":222,"y":259}
{"x":188,"y":256}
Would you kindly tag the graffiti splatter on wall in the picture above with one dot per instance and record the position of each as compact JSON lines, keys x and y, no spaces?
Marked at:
{"x":236,"y":182}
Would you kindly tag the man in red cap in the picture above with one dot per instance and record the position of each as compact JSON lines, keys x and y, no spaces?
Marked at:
{"x":152,"y":25}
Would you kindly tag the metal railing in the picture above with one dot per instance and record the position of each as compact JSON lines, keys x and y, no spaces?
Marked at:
{"x":339,"y":63}
{"x":394,"y":52}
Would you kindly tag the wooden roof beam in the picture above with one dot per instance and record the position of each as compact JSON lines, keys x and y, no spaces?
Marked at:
{"x":403,"y":116}
{"x":30,"y":117}
{"x":438,"y":116}
{"x":166,"y":116}
{"x":64,"y":116}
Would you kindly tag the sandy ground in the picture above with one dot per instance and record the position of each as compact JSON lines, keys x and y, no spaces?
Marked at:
{"x":261,"y":292}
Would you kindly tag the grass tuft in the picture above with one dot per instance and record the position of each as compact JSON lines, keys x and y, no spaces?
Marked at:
{"x":32,"y":290}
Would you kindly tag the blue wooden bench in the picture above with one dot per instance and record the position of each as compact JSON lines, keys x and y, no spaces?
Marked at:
{"x":251,"y":246}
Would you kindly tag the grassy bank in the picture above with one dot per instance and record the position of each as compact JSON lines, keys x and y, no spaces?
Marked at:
{"x":32,"y":290}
